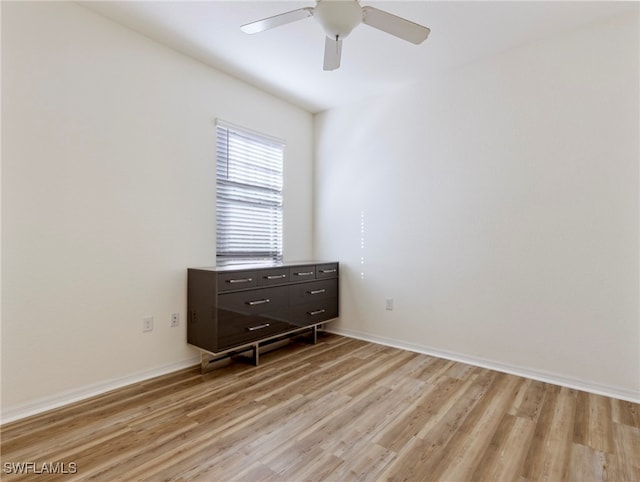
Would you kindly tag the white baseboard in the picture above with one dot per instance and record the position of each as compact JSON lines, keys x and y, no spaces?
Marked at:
{"x":13,"y":413}
{"x":543,"y":376}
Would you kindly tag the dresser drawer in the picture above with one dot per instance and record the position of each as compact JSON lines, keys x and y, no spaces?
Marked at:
{"x":237,"y":280}
{"x":235,"y":330}
{"x":273,"y":276}
{"x":313,"y":312}
{"x":329,"y":270}
{"x":303,"y":273}
{"x":314,"y":291}
{"x":262,"y":300}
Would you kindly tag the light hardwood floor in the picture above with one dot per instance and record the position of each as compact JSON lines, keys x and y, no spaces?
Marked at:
{"x":341,"y":410}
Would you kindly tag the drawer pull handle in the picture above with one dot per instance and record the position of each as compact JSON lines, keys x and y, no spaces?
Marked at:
{"x":316,"y":292}
{"x":328,"y":270}
{"x":258,"y":302}
{"x":304,"y":273}
{"x":241,"y":280}
{"x":258,"y":327}
{"x":276,"y":276}
{"x":317,"y":312}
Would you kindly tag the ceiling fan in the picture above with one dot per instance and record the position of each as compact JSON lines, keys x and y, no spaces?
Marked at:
{"x":338,"y":18}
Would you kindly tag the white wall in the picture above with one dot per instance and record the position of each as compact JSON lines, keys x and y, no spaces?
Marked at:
{"x":498,"y":206}
{"x":108,"y":196}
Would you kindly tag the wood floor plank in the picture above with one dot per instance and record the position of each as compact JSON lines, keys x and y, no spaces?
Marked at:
{"x":417,"y":456}
{"x":530,"y":404}
{"x":625,"y":461}
{"x":453,"y":410}
{"x":592,"y":426}
{"x":504,"y":457}
{"x":340,"y":410}
{"x":462,"y":455}
{"x":409,"y":425}
{"x":550,"y":450}
{"x":588,"y":465}
{"x":366,"y":464}
{"x":625,"y":413}
{"x":374,"y":372}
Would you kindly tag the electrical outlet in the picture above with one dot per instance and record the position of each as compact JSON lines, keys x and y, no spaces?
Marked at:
{"x":147,"y":323}
{"x":175,"y":319}
{"x":388,"y":304}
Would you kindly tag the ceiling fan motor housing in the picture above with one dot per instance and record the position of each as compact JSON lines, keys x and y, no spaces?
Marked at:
{"x":338,"y":17}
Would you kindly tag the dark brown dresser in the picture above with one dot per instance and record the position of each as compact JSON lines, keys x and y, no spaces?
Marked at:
{"x":235,"y":308}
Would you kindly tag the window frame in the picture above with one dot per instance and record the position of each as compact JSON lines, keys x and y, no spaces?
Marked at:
{"x":249,"y":196}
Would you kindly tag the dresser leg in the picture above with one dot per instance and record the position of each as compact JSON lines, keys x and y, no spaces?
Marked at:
{"x":204,"y":362}
{"x":209,"y":362}
{"x":256,"y":354}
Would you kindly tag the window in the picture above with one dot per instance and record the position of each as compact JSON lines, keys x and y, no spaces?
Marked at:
{"x":248,"y":196}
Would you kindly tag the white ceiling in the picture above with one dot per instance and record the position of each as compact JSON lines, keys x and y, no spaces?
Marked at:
{"x":287,"y":61}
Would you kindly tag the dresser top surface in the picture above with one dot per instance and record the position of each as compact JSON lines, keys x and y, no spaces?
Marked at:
{"x":249,"y":267}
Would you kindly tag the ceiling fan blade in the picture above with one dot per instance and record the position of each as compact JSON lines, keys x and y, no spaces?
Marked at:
{"x":332,"y":53}
{"x":398,"y":26}
{"x":277,"y":20}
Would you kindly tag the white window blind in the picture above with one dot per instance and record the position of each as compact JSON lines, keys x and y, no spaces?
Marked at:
{"x":248,"y":196}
